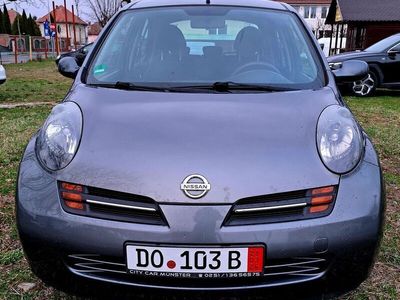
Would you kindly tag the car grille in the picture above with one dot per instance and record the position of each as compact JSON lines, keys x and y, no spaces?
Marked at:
{"x":276,"y":272}
{"x":282,"y":207}
{"x":110,"y":205}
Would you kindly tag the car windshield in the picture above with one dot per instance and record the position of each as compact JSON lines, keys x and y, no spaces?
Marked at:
{"x":384,"y":45}
{"x":201,"y":45}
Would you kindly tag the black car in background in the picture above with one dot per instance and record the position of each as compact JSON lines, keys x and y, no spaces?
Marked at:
{"x":383,"y":59}
{"x":79,"y":54}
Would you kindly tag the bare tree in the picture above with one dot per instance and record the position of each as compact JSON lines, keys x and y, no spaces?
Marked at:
{"x":77,"y":4}
{"x":102,"y":10}
{"x":319,"y":25}
{"x":35,"y":3}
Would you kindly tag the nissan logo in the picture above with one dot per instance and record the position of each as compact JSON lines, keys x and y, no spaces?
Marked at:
{"x":195,"y":186}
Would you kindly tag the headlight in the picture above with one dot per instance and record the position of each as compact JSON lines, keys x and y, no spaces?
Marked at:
{"x":59,"y":137}
{"x":339,"y":140}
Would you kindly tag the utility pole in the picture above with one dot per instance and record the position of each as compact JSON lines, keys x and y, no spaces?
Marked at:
{"x":56,"y":29}
{"x":73,"y":24}
{"x":66,"y":23}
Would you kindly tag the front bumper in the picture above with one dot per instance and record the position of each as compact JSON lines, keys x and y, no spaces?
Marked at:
{"x":337,"y":248}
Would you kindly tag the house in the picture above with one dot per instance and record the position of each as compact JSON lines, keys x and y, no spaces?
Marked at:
{"x":364,"y":22}
{"x":93,"y":31}
{"x":63,"y":22}
{"x":315,"y":13}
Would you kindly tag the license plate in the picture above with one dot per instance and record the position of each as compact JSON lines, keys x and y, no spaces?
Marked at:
{"x":200,"y":262}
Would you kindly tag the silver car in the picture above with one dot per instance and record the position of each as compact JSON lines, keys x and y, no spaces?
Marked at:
{"x":203,"y":147}
{"x":3,"y":76}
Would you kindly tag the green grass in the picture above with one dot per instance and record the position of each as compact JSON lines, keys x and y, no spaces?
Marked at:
{"x":48,"y":85}
{"x":17,"y":126}
{"x":380,"y":117}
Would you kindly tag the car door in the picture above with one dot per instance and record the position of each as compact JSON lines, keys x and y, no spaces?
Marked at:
{"x":392,"y":65}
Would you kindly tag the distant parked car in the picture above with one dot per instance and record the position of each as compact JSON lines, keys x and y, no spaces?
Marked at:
{"x":79,"y":54}
{"x":383,"y":59}
{"x":3,"y":76}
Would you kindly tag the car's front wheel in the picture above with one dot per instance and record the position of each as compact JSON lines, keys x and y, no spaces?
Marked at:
{"x":365,"y":87}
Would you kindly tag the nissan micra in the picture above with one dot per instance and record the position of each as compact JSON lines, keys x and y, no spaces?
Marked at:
{"x":203,"y":146}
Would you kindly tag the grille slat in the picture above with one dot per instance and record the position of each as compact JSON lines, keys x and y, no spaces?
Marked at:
{"x":275,"y":271}
{"x":117,"y":206}
{"x":281,"y":207}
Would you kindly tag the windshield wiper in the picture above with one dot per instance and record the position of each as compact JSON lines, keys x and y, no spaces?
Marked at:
{"x":219,"y":86}
{"x":230,"y":85}
{"x":227,"y":86}
{"x":122,"y":85}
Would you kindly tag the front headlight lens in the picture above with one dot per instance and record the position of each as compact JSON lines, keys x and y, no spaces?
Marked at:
{"x":59,"y":137}
{"x":339,"y":140}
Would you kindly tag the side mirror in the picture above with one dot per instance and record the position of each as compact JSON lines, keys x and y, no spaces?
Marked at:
{"x":68,"y":67}
{"x":350,"y":71}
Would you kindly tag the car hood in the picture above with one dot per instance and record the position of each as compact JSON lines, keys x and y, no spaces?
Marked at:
{"x":349,"y":56}
{"x":246,"y":145}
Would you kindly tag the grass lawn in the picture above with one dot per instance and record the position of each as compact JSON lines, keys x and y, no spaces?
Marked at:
{"x":380,"y":117}
{"x":48,"y":85}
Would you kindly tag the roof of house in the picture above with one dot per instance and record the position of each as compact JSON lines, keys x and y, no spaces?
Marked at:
{"x":12,"y":14}
{"x":94,"y":29}
{"x":60,"y":16}
{"x":364,"y":11}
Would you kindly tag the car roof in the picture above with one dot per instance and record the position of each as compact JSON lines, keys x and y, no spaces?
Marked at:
{"x":248,"y":3}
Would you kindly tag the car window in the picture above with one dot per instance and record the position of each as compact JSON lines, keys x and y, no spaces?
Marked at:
{"x":384,"y":44}
{"x":86,"y":49}
{"x":173,"y":46}
{"x":396,"y":48}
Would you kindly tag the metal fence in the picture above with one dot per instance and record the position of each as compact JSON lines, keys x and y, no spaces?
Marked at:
{"x":23,"y":57}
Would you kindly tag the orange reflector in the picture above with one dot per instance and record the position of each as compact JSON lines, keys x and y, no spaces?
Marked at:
{"x":74,"y":205}
{"x":321,"y":200}
{"x":324,"y":190}
{"x":72,"y":196}
{"x":318,"y":209}
{"x":72,"y":187}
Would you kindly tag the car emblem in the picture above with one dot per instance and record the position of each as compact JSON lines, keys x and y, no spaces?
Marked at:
{"x":195,"y":186}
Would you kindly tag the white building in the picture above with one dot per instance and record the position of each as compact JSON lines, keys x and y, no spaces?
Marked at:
{"x":81,"y":27}
{"x":315,"y":13}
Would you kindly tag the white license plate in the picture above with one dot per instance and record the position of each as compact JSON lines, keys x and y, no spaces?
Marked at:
{"x":211,"y":262}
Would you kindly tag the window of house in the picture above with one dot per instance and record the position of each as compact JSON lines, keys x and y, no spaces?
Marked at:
{"x":328,"y":33}
{"x":307,"y":10}
{"x":310,"y":12}
{"x":324,"y":12}
{"x":313,"y":13}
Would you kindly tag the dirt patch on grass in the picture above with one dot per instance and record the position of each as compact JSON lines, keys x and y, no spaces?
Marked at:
{"x":25,"y":104}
